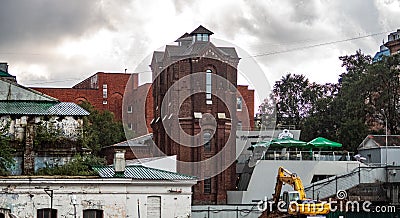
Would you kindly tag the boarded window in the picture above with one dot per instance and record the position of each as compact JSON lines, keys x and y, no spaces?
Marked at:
{"x":154,"y":206}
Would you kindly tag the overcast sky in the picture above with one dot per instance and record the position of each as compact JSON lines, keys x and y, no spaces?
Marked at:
{"x":51,"y":43}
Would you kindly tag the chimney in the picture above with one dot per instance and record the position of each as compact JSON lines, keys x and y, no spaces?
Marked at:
{"x":119,"y":162}
{"x":4,"y":67}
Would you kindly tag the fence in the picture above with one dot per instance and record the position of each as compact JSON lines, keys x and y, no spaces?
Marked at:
{"x":225,"y":211}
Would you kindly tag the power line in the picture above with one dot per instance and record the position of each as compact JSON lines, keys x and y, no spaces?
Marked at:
{"x":316,"y":45}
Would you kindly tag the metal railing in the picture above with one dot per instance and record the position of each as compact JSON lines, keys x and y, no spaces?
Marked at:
{"x":330,"y":186}
{"x":308,"y":155}
{"x":225,"y":211}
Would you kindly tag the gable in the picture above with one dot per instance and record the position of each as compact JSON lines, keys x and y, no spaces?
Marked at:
{"x":14,"y":92}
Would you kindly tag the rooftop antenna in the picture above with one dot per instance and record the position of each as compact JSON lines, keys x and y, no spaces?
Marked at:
{"x":125,"y":70}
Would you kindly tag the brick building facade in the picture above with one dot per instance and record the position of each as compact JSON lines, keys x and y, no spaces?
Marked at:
{"x":393,"y":43}
{"x":104,"y":91}
{"x":195,"y":110}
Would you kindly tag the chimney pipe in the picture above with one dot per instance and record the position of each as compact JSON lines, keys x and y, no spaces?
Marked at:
{"x":119,"y":162}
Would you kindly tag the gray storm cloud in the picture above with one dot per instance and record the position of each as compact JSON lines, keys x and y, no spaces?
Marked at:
{"x":32,"y":30}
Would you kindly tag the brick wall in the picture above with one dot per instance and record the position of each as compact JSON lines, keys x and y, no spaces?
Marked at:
{"x":247,"y":112}
{"x":138,"y":109}
{"x":225,"y":127}
{"x":91,"y":90}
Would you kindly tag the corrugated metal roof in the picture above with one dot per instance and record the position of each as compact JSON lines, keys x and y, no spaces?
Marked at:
{"x":67,"y":109}
{"x":142,"y":173}
{"x":41,"y":108}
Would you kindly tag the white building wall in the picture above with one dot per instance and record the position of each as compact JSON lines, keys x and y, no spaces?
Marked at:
{"x":116,"y":197}
{"x":263,"y":179}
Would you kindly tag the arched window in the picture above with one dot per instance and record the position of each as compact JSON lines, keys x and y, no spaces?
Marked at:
{"x":208,"y":87}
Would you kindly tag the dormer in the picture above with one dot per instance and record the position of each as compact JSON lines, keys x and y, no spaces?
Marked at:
{"x":184,"y":40}
{"x":201,"y":34}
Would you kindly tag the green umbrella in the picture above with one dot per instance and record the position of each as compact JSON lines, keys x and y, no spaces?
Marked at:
{"x":288,"y":142}
{"x":321,"y":142}
{"x":284,"y":143}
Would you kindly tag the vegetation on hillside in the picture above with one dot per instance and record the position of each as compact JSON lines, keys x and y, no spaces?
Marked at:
{"x":365,"y":96}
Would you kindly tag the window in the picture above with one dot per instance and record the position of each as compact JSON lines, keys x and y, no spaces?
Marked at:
{"x":129,"y":109}
{"x":208,"y":86}
{"x":199,"y":37}
{"x":130,"y":126}
{"x":104,"y":90}
{"x":207,"y":141}
{"x":46,"y":213}
{"x":202,"y":37}
{"x":239,"y":104}
{"x":207,"y":186}
{"x":105,"y":102}
{"x":92,"y":213}
{"x":239,"y":125}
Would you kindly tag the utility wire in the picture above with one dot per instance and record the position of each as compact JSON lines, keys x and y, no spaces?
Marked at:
{"x":316,"y":45}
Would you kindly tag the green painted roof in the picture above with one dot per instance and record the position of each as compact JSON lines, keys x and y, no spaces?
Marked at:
{"x":5,"y":74}
{"x":41,"y":108}
{"x":141,"y":173}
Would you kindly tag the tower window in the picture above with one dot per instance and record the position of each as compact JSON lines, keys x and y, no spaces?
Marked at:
{"x":207,"y":141}
{"x":207,"y":186}
{"x":202,"y":37}
{"x":239,"y":125}
{"x":104,"y":90}
{"x":239,"y":104}
{"x":208,"y":87}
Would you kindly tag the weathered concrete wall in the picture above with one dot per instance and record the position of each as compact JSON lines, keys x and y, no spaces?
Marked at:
{"x":33,"y":157}
{"x":69,"y":126}
{"x":116,"y":197}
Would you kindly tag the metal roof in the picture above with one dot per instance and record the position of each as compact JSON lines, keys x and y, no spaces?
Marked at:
{"x":201,"y":30}
{"x":41,"y":108}
{"x":141,"y":173}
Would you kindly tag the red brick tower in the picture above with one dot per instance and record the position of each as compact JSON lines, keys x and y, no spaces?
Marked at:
{"x":207,"y":110}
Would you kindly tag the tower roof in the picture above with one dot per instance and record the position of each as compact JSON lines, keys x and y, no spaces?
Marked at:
{"x":201,"y":30}
{"x":184,"y":37}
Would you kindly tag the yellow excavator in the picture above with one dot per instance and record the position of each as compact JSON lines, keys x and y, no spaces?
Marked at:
{"x":294,"y":203}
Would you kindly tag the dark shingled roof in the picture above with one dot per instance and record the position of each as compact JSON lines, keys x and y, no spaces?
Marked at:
{"x":201,"y":30}
{"x":184,"y":37}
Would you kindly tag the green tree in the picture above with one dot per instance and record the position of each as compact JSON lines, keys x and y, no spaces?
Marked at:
{"x":292,"y":99}
{"x":383,"y":100}
{"x":6,"y":150}
{"x":100,"y":129}
{"x":321,"y":121}
{"x":78,"y":166}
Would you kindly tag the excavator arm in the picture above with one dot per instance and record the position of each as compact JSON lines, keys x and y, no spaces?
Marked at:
{"x":286,"y":177}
